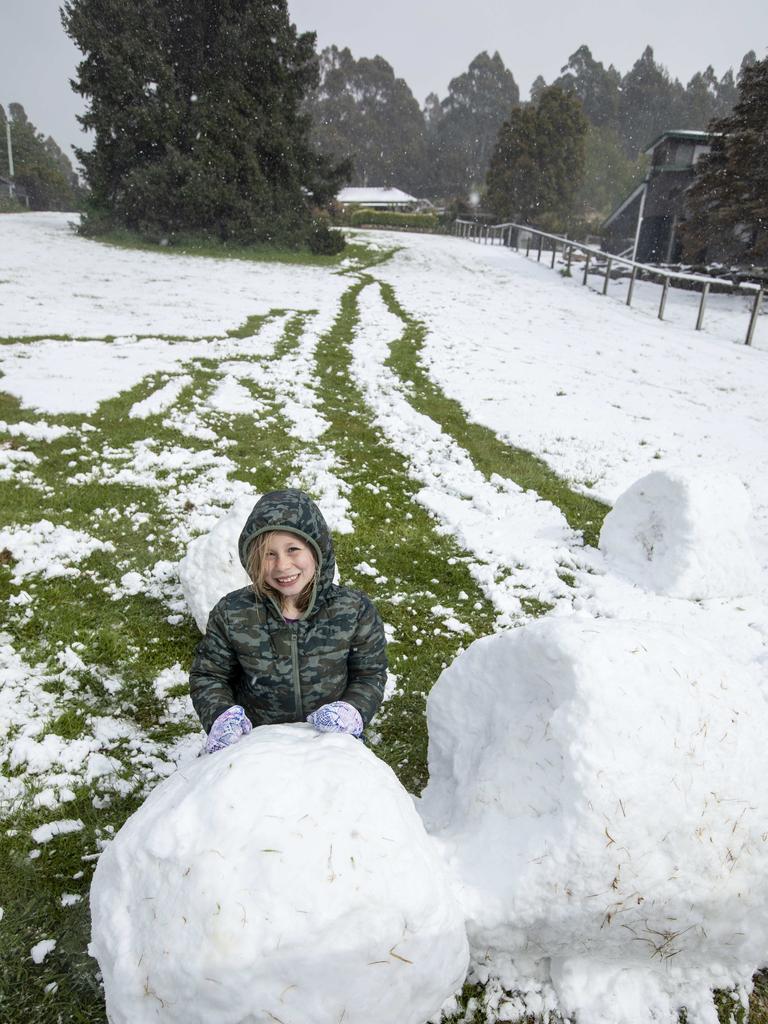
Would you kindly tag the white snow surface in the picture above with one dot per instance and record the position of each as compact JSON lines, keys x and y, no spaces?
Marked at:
{"x":41,"y":949}
{"x":59,"y":283}
{"x":160,"y":400}
{"x":211,"y":567}
{"x":683,"y":534}
{"x":263,"y":883}
{"x":603,"y":393}
{"x":505,"y":527}
{"x":599,"y":786}
{"x":48,"y":550}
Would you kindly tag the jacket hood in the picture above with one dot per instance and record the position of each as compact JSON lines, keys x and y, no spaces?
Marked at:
{"x":292,"y":511}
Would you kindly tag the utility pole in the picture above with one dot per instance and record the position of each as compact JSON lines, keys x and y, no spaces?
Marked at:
{"x":10,"y":155}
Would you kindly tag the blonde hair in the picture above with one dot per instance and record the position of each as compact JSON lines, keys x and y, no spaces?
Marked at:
{"x":257,"y":570}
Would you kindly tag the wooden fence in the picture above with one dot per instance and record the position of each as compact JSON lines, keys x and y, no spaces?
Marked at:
{"x":596,"y":261}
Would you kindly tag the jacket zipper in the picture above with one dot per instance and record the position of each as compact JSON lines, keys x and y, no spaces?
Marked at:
{"x":295,"y":672}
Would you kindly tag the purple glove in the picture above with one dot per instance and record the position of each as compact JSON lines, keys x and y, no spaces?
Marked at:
{"x":229,"y":727}
{"x":337,"y":717}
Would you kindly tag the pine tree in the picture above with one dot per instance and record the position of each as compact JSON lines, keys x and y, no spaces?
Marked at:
{"x":196,"y":113}
{"x":728,"y":201}
{"x":538,"y":164}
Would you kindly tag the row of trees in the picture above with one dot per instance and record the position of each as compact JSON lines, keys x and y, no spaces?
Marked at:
{"x":362,"y":111}
{"x":222,"y":120}
{"x":541,"y":157}
{"x":42,"y":170}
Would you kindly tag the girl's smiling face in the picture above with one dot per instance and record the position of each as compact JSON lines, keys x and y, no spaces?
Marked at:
{"x":289,"y":564}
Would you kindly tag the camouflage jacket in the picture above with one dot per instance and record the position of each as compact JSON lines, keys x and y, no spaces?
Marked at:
{"x":278,"y":671}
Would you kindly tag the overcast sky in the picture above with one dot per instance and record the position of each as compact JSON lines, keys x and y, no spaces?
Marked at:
{"x":426,"y":43}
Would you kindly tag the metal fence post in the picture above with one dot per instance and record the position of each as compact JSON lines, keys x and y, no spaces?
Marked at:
{"x":702,"y":306}
{"x":586,"y":268}
{"x":663,"y":303}
{"x":607,"y":276}
{"x":528,"y":245}
{"x":541,"y":243}
{"x":554,"y":254}
{"x":568,"y":262}
{"x":631,"y":288}
{"x":753,"y":318}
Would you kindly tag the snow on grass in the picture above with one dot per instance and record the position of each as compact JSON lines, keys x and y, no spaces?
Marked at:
{"x":76,"y":376}
{"x":160,"y":400}
{"x":519,"y":541}
{"x":58,"y":283}
{"x":93,"y":706}
{"x":48,"y":550}
{"x":40,"y":431}
{"x":603,"y":393}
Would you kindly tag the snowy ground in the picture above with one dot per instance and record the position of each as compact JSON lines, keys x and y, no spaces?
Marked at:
{"x":603,"y":392}
{"x":151,"y":348}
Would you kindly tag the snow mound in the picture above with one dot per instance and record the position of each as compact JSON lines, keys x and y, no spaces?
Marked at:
{"x":600,"y":786}
{"x":287,"y":878}
{"x":683,"y":534}
{"x":211,"y":567}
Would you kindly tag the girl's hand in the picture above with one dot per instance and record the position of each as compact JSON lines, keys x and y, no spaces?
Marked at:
{"x":229,"y":727}
{"x":337,"y":716}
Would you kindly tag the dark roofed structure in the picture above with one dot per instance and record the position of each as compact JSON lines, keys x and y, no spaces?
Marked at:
{"x":646,"y":224}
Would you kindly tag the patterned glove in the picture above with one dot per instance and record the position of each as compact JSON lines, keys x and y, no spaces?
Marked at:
{"x":337,"y":717}
{"x":229,"y":727}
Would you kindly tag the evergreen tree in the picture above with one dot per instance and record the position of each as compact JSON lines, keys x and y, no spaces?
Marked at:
{"x":196,"y":113}
{"x":609,"y":174}
{"x":701,"y":100}
{"x":728,"y":201}
{"x":477,"y":103}
{"x":360,"y":111}
{"x":41,"y":170}
{"x":538,"y":164}
{"x":537,"y":88}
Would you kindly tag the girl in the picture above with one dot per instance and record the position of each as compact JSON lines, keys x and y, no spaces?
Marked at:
{"x":293,"y":646}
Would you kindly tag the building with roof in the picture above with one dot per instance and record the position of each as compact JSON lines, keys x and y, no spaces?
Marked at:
{"x":646,"y":224}
{"x":377,"y":198}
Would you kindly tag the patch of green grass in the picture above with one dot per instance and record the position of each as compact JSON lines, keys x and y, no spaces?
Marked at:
{"x":489,"y":454}
{"x":356,"y":251}
{"x":417,"y":566}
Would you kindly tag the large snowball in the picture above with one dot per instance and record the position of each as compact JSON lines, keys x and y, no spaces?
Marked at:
{"x":601,"y":786}
{"x":683,"y":534}
{"x":211,"y":567}
{"x":288,"y":878}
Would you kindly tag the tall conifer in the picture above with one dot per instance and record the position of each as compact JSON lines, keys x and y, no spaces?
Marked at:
{"x":728,"y":201}
{"x":196,"y":112}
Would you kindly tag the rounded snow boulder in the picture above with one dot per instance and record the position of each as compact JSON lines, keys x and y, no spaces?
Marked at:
{"x":600,"y":787}
{"x":211,"y":567}
{"x":286,"y":878}
{"x":683,"y":534}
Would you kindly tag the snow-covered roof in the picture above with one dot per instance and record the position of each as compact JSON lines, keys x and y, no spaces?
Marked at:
{"x":375,"y":196}
{"x":680,"y":133}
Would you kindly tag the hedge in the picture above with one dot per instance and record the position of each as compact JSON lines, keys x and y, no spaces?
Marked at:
{"x":388,"y":218}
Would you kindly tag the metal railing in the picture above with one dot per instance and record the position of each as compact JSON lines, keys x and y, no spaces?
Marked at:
{"x":596,"y":261}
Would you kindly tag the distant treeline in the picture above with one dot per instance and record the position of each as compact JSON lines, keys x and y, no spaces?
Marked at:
{"x":43,"y":175}
{"x":362,"y":111}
